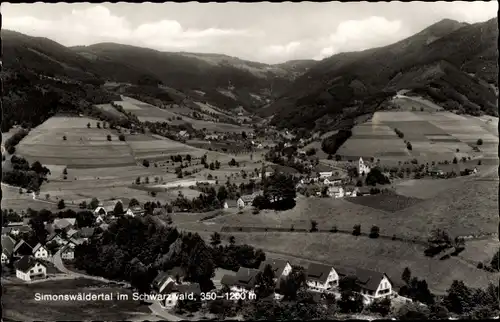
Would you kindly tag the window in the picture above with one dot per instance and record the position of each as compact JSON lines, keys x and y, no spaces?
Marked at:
{"x":39,"y":270}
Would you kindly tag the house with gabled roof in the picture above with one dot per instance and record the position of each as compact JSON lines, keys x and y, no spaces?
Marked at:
{"x":321,"y":277}
{"x":64,"y":223}
{"x":163,"y":279}
{"x":107,"y":207}
{"x":373,"y":285}
{"x":22,"y":248}
{"x":8,"y":244}
{"x":280,"y":267}
{"x":68,"y":253}
{"x":39,"y":251}
{"x":29,"y":268}
{"x":244,"y":280}
{"x":55,"y":237}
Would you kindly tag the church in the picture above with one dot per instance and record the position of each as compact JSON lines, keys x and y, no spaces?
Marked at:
{"x":363,"y":169}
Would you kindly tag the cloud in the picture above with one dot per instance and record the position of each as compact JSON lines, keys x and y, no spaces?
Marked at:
{"x":282,"y":50}
{"x":355,"y":35}
{"x":98,"y":24}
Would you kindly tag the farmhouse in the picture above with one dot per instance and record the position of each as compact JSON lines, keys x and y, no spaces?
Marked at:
{"x":106,"y":208}
{"x":29,"y":268}
{"x":68,"y":253}
{"x":39,"y":251}
{"x":64,"y":224}
{"x":323,"y":171}
{"x":373,"y":285}
{"x":363,"y":169}
{"x":332,"y":181}
{"x":321,"y":277}
{"x":281,"y":268}
{"x":8,"y":245}
{"x":242,"y":282}
{"x":336,"y":192}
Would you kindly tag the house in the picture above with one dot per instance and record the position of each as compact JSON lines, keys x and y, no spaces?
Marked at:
{"x":321,"y":277}
{"x":336,"y":192}
{"x":137,"y":210}
{"x":70,"y":232}
{"x":176,"y":292}
{"x":6,"y":230}
{"x":240,"y":203}
{"x":332,"y":181}
{"x":22,"y":248}
{"x":183,"y":135}
{"x":165,"y":278}
{"x":373,"y":285}
{"x":281,"y":268}
{"x":72,"y":242}
{"x":230,"y":204}
{"x":29,"y":268}
{"x":8,"y":244}
{"x":99,"y":219}
{"x":107,"y":207}
{"x":242,"y":282}
{"x":85,"y":233}
{"x":39,"y":251}
{"x":64,"y":224}
{"x":55,"y":237}
{"x":363,"y":169}
{"x":16,"y":230}
{"x":323,"y":171}
{"x":68,"y":253}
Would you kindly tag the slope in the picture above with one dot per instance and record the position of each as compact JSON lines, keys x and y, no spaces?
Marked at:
{"x":361,"y":74}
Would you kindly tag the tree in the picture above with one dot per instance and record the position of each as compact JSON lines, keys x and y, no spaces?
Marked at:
{"x":222,"y":194}
{"x":145,"y":163}
{"x":61,"y":204}
{"x":217,"y":164}
{"x":381,"y":306}
{"x":98,"y":125}
{"x":65,"y":171}
{"x":412,"y":311}
{"x":133,"y":203}
{"x":406,"y":276}
{"x":479,"y":142}
{"x":356,"y":230}
{"x":265,"y":282}
{"x":232,"y":240}
{"x":215,"y":239}
{"x":146,"y":180}
{"x":458,"y":298}
{"x":295,"y":281}
{"x":188,"y":157}
{"x":108,"y":137}
{"x":138,"y":180}
{"x":352,"y":172}
{"x":314,"y":226}
{"x":439,"y":239}
{"x":350,"y":301}
{"x":64,"y":138}
{"x":455,"y":160}
{"x":121,"y":137}
{"x":375,"y":176}
{"x":212,"y":166}
{"x":94,"y":203}
{"x":118,"y":210}
{"x":495,"y":261}
{"x":88,"y":125}
{"x":374,"y":232}
{"x":279,"y":189}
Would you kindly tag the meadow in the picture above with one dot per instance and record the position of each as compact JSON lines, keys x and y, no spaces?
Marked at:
{"x":18,"y":302}
{"x":380,"y":255}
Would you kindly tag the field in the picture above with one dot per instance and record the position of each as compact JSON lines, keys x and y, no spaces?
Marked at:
{"x":110,"y":110}
{"x":146,"y":112}
{"x":446,"y":208}
{"x":18,"y":301}
{"x":386,"y":256}
{"x":434,"y":135}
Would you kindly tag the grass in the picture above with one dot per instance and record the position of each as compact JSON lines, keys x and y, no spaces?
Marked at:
{"x":386,"y":202}
{"x":462,"y":208}
{"x":380,"y":255}
{"x":19,"y":302}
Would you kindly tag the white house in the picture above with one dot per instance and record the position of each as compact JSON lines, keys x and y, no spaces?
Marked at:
{"x":321,"y":277}
{"x":325,"y":174}
{"x":373,"y":285}
{"x":39,"y":251}
{"x":336,"y":192}
{"x":8,"y":245}
{"x":29,"y":268}
{"x":332,"y":181}
{"x":68,"y":253}
{"x":363,"y":169}
{"x":240,"y":203}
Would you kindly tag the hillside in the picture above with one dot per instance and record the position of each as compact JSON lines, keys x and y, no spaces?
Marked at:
{"x":469,"y":53}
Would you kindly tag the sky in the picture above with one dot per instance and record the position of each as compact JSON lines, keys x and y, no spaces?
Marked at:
{"x":263,"y":32}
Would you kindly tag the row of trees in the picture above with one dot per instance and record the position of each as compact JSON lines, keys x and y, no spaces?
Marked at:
{"x":22,"y":174}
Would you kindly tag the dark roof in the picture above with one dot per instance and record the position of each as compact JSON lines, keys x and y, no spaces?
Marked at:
{"x":6,"y":230}
{"x":26,"y":263}
{"x":187,"y":288}
{"x":22,"y":244}
{"x":160,"y":279}
{"x":367,"y":279}
{"x":245,"y":277}
{"x":318,"y":272}
{"x":8,"y":245}
{"x":364,"y":190}
{"x":278,"y":266}
{"x":86,"y":232}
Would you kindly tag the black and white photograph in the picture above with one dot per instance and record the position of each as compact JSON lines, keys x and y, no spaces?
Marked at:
{"x":250,"y":161}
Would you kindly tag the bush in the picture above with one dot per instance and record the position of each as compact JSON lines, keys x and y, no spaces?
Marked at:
{"x":108,"y":137}
{"x":480,"y":265}
{"x":374,"y":232}
{"x":314,"y":226}
{"x":121,"y":137}
{"x":479,"y":142}
{"x":479,"y":162}
{"x":409,"y":146}
{"x":334,"y":229}
{"x":61,"y":204}
{"x":145,"y":163}
{"x":455,"y":160}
